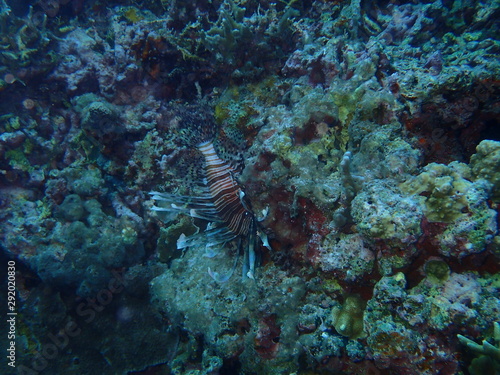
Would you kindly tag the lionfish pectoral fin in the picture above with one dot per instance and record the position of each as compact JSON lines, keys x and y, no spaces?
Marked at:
{"x":198,"y":207}
{"x":264,"y":213}
{"x":181,"y":242}
{"x":210,"y":253}
{"x":250,"y":273}
{"x":264,"y":239}
{"x":219,"y":236}
{"x":184,"y":241}
{"x":249,"y":257}
{"x":211,"y":237}
{"x":217,"y":277}
{"x":182,"y":202}
{"x":209,"y":215}
{"x":251,"y":263}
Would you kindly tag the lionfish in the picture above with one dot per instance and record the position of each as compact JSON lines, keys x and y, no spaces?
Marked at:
{"x":221,"y":201}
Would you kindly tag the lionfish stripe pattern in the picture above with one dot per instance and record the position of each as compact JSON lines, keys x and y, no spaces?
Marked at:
{"x":225,"y":192}
{"x":222,"y":203}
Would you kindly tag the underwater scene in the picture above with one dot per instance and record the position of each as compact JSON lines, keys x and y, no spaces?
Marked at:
{"x":243,"y":187}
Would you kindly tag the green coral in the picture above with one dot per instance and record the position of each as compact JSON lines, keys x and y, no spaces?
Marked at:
{"x":348,"y":319}
{"x":97,"y":114}
{"x":445,"y":188}
{"x":488,"y":361}
{"x":240,"y":41}
{"x":233,"y":30}
{"x":26,"y":42}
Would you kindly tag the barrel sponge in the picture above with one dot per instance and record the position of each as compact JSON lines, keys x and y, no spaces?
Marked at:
{"x":486,"y":165}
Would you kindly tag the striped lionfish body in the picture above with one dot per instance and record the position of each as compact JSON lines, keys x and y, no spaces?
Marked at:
{"x":225,"y":192}
{"x":222,"y":204}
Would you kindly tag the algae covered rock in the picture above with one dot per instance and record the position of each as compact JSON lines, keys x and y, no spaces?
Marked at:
{"x":349,"y":257}
{"x":393,"y":319}
{"x":389,"y":222}
{"x":449,"y":194}
{"x":256,"y":322}
{"x":86,"y":182}
{"x":85,"y":246}
{"x":485,"y":165}
{"x":397,"y":318}
{"x":382,"y":213}
{"x":474,"y":228}
{"x":72,"y":208}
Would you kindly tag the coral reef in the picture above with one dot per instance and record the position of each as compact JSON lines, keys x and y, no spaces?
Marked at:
{"x":74,"y":243}
{"x":26,"y":50}
{"x":455,"y":303}
{"x":363,"y":136}
{"x":240,"y":326}
{"x":449,"y":196}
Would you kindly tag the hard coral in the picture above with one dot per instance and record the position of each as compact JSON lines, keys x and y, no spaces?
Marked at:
{"x":266,"y":35}
{"x":445,"y":188}
{"x":450,"y":195}
{"x":24,"y":50}
{"x":488,"y":361}
{"x":485,"y":164}
{"x":394,"y":321}
{"x":348,"y":320}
